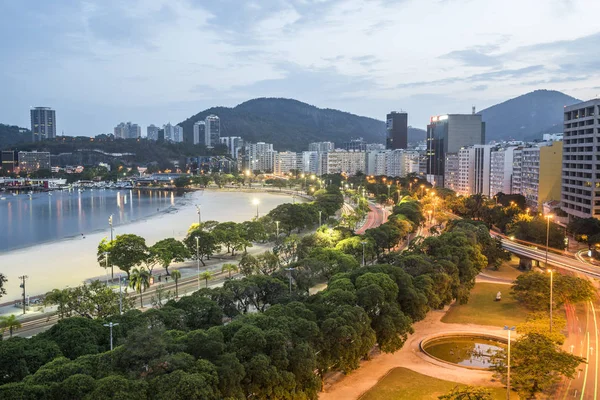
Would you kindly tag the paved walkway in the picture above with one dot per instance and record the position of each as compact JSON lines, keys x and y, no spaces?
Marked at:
{"x":352,"y":386}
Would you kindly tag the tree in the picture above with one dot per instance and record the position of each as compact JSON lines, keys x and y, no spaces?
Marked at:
{"x":9,"y":322}
{"x":533,"y":230}
{"x":201,"y":243}
{"x":176,"y":275}
{"x":585,"y":230}
{"x":206,"y":276}
{"x":168,"y":251}
{"x":140,"y":281}
{"x":2,"y":282}
{"x":229,"y":268}
{"x":126,"y":252}
{"x":229,"y":234}
{"x":467,"y":393}
{"x":537,"y":363}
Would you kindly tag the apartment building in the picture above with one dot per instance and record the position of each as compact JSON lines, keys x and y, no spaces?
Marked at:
{"x":541,"y":167}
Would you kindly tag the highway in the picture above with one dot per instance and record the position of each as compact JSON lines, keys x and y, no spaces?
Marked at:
{"x":375,"y":217}
{"x":582,"y":321}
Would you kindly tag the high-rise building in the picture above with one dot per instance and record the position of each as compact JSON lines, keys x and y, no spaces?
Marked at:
{"x":127,"y":131}
{"x":309,"y":162}
{"x":448,"y":134}
{"x":474,"y":170}
{"x":516,"y":186}
{"x":152,"y":132}
{"x":200,"y":136}
{"x":173,"y":133}
{"x":581,"y":156}
{"x":8,"y":159}
{"x":541,"y":167}
{"x":501,"y":170}
{"x":355,"y":145}
{"x":341,"y":161}
{"x":43,"y":123}
{"x":451,"y":172}
{"x":234,"y":145}
{"x":321,"y":147}
{"x":259,"y":157}
{"x":397,"y":130}
{"x":213,"y":129}
{"x":285,"y":161}
{"x":30,"y":161}
{"x":376,"y":162}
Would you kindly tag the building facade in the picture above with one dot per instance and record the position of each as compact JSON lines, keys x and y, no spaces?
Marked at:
{"x":259,"y":157}
{"x":43,"y":123}
{"x":474,"y":170}
{"x":285,"y":161}
{"x":501,"y":170}
{"x":581,"y":160}
{"x":199,"y":135}
{"x":127,"y":130}
{"x":234,"y":145}
{"x":541,"y":173}
{"x":213,"y":130}
{"x":173,"y":133}
{"x":30,"y":161}
{"x":309,"y":162}
{"x":152,"y":132}
{"x":8,"y":161}
{"x":451,"y":172}
{"x":397,"y":130}
{"x":321,"y":147}
{"x":341,"y":161}
{"x":354,"y":145}
{"x":448,"y":134}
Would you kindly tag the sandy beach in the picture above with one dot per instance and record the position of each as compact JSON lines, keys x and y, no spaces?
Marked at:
{"x":71,"y":261}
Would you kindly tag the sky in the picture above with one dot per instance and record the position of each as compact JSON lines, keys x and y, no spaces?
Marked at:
{"x":98,"y":63}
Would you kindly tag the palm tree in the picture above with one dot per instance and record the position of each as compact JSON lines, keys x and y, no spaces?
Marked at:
{"x":176,"y":275}
{"x":11,"y":323}
{"x":229,"y":268}
{"x":139,"y":280}
{"x":206,"y":276}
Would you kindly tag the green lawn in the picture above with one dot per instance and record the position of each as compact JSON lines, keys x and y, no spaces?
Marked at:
{"x":405,"y":384}
{"x":508,"y":270}
{"x":483,"y":310}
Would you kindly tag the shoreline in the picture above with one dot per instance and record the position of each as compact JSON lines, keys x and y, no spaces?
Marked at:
{"x":71,"y":261}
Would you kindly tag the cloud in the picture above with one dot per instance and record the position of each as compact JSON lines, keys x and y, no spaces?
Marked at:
{"x":472,"y":58}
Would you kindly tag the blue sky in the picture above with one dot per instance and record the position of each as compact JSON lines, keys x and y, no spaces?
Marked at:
{"x":153,"y":61}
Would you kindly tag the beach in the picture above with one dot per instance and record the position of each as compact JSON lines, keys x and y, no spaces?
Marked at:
{"x":70,"y":262}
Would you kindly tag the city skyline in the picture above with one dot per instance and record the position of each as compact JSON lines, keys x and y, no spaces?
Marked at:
{"x":481,"y":61}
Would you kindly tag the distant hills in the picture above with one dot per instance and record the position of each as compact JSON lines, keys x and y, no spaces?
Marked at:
{"x":11,"y":135}
{"x":526,"y":117}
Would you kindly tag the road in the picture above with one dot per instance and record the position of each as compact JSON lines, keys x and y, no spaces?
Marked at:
{"x":375,"y":217}
{"x":582,"y":322}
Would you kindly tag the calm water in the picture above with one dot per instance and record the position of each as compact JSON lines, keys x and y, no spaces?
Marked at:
{"x":467,"y":351}
{"x":25,"y":222}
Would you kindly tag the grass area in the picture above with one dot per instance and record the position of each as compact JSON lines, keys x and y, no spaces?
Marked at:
{"x":482,"y":309}
{"x":508,"y":270}
{"x":405,"y":384}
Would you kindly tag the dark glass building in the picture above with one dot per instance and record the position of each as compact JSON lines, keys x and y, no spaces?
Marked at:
{"x":43,"y":123}
{"x":397,"y":130}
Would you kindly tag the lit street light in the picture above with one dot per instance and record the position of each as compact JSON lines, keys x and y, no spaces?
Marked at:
{"x":198,"y":259}
{"x":506,"y":328}
{"x":277,"y":224}
{"x":256,"y":202}
{"x":551,"y":287}
{"x":110,"y":325}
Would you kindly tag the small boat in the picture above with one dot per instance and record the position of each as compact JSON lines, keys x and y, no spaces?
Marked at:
{"x":2,"y":198}
{"x":14,"y":194}
{"x":49,"y":193}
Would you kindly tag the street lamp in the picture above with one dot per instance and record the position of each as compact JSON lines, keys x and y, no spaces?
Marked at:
{"x":290,"y":276}
{"x":277,"y":224}
{"x":110,"y":325}
{"x":422,"y":190}
{"x":548,"y":217}
{"x":389,"y":186}
{"x":506,"y":328}
{"x":551,"y":285}
{"x":199,"y":215}
{"x":320,"y":212}
{"x":110,"y":222}
{"x":198,"y":259}
{"x":256,"y":202}
{"x":106,"y":267}
{"x":363,"y":246}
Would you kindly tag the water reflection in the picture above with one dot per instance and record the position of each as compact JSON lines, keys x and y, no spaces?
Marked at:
{"x":28,"y":220}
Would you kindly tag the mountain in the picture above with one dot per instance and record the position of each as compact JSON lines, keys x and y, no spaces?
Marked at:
{"x":11,"y":135}
{"x":526,"y":117}
{"x":289,"y":124}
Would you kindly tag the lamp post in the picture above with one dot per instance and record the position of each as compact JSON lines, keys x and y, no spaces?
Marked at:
{"x":199,"y":215}
{"x":198,"y":259}
{"x":506,"y":328}
{"x":320,"y":212}
{"x":106,"y":268}
{"x":256,"y":202}
{"x":389,"y":186}
{"x":120,"y":296}
{"x":110,"y":222}
{"x":551,"y":287}
{"x":548,"y":217}
{"x":277,"y":225}
{"x":363,"y":246}
{"x":110,"y":325}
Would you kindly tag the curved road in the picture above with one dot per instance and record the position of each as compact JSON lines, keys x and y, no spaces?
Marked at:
{"x":376,"y":217}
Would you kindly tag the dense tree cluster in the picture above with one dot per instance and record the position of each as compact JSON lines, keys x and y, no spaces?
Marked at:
{"x":262,"y":336}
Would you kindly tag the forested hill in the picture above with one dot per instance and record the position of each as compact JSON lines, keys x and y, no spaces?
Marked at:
{"x":290,"y":124}
{"x":11,"y":135}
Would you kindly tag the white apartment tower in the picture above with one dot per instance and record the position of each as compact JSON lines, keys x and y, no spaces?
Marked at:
{"x":152,"y":132}
{"x":199,"y":135}
{"x":213,"y":130}
{"x":285,"y":161}
{"x":501,"y":170}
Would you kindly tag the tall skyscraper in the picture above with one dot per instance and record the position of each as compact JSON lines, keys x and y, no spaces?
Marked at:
{"x":397,"y":130}
{"x":43,"y":123}
{"x":448,"y":134}
{"x":127,"y":131}
{"x":200,"y":133}
{"x":580,"y":177}
{"x":213,"y":129}
{"x":152,"y":132}
{"x":173,"y":133}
